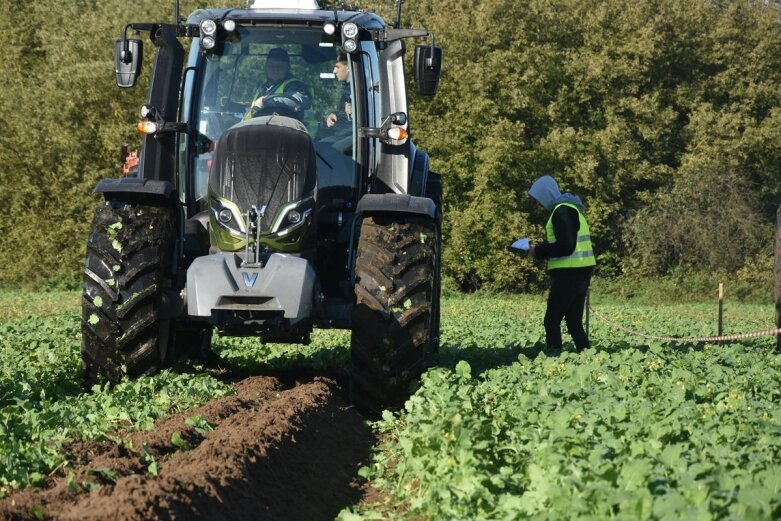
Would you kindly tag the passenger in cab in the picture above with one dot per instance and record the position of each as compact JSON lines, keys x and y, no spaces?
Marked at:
{"x":341,"y":118}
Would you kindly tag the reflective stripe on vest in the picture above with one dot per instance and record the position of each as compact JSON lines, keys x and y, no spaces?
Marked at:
{"x":583,"y":256}
{"x":279,"y":90}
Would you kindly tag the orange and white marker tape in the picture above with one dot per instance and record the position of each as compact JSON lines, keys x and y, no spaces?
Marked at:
{"x":691,"y":339}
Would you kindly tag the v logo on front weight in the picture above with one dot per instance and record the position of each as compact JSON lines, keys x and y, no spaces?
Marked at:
{"x":249,"y":280}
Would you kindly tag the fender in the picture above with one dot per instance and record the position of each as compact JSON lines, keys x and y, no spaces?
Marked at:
{"x":396,"y":203}
{"x":137,"y":190}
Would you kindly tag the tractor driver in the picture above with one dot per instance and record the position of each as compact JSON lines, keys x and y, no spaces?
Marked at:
{"x":281,"y":93}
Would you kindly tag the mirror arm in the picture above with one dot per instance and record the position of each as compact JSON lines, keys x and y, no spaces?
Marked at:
{"x":397,"y":118}
{"x":430,"y":60}
{"x":124,"y":55}
{"x":174,"y":126}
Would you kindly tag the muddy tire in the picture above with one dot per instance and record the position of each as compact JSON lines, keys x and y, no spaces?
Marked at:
{"x":394,"y":321}
{"x":128,"y":259}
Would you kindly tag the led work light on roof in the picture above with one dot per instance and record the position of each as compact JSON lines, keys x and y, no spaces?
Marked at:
{"x":349,"y":33}
{"x":208,"y":42}
{"x":349,"y":45}
{"x":208,"y":28}
{"x":349,"y":30}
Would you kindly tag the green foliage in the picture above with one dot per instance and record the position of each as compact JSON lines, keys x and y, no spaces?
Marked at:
{"x":64,"y":121}
{"x":710,"y":219}
{"x":616,"y":100}
{"x":625,"y":430}
{"x":501,"y":429}
{"x":328,"y":350}
{"x":623,"y":103}
{"x":751,"y":284}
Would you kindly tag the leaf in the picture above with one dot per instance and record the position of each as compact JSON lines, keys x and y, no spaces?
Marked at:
{"x":463,"y":369}
{"x":70,"y":482}
{"x":755,"y":496}
{"x":634,"y":474}
{"x":179,"y":442}
{"x":89,"y":486}
{"x":108,"y":473}
{"x":38,"y":513}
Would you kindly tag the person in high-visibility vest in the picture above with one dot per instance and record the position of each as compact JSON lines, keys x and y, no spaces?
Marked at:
{"x":570,"y":259}
{"x":281,"y":93}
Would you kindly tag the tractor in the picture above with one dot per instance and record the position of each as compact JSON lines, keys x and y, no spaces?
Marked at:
{"x":261,"y":219}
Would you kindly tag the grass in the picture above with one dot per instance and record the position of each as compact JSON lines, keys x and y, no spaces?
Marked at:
{"x":19,"y":304}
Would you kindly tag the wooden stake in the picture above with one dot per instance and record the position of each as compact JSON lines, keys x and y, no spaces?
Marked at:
{"x":777,"y":277}
{"x":588,"y":303}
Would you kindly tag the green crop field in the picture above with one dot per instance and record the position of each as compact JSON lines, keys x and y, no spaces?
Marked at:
{"x":499,"y":429}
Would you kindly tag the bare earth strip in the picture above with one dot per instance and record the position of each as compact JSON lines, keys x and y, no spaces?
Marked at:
{"x":274,"y":453}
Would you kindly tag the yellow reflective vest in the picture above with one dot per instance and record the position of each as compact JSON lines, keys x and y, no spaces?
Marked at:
{"x":279,"y":90}
{"x":583,"y":256}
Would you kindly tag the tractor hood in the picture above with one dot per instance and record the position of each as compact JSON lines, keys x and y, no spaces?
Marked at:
{"x":266,"y":164}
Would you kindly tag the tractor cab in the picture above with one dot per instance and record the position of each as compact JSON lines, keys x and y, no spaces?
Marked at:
{"x":227,"y":79}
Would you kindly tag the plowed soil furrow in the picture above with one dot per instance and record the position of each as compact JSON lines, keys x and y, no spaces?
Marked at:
{"x":273,"y":453}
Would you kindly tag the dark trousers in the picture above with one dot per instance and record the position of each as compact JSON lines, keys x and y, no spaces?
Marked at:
{"x":567,"y":300}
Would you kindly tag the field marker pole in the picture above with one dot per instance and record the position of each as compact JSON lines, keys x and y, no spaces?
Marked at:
{"x":721,"y":308}
{"x":588,"y":307}
{"x":777,"y":277}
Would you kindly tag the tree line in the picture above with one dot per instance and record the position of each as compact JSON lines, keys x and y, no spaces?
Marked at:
{"x":662,"y":115}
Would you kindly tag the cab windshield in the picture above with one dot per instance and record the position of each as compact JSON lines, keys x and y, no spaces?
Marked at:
{"x":292,"y":72}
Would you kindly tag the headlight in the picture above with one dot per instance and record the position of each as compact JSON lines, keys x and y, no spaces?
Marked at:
{"x":229,"y":25}
{"x":208,"y":28}
{"x":294,"y":216}
{"x":329,"y":28}
{"x":228,"y":217}
{"x":225,"y":216}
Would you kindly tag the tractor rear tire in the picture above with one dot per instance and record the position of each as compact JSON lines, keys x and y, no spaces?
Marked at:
{"x":129,"y":253}
{"x":394,"y":321}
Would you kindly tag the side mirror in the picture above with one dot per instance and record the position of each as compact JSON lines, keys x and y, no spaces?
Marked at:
{"x":128,"y":56}
{"x":428,"y":68}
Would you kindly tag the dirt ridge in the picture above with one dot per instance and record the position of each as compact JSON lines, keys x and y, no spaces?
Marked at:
{"x":274,"y":453}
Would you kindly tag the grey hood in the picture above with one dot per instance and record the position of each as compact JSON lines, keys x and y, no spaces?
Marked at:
{"x":546,"y":192}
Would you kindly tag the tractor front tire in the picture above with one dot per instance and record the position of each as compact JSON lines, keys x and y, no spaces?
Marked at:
{"x":394,"y":321}
{"x":127,"y":270}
